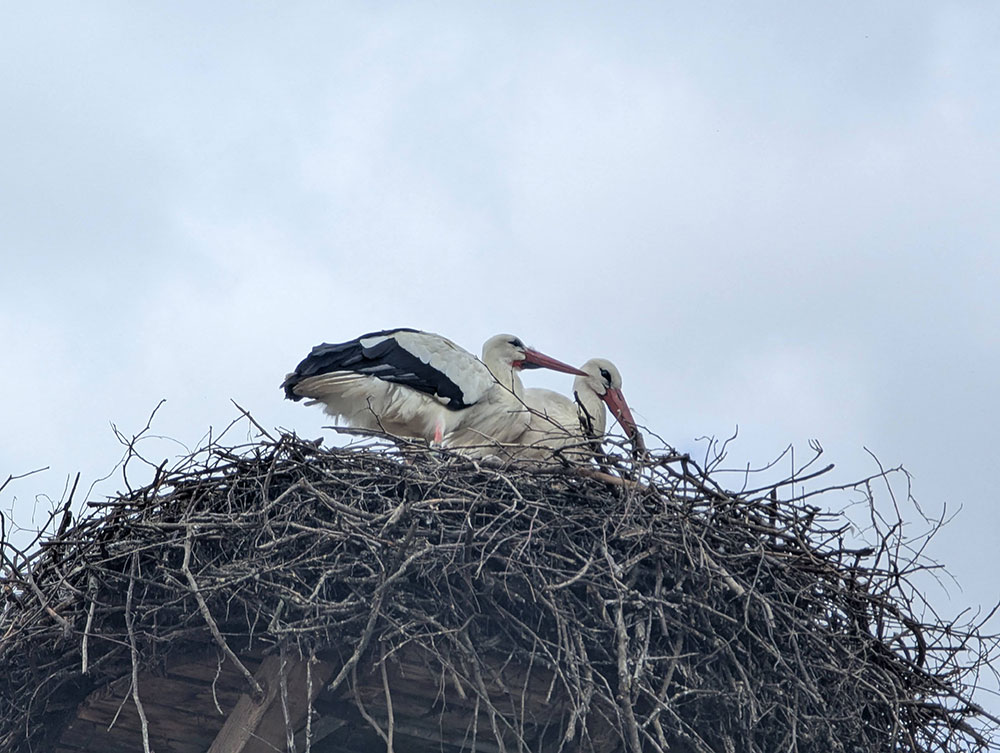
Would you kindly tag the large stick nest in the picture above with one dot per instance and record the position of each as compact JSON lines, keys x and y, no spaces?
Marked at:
{"x":667,"y":612}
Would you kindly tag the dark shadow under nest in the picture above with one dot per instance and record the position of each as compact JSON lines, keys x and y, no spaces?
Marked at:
{"x":419,"y":601}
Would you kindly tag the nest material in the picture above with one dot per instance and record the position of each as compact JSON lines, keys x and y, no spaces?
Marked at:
{"x":664,"y":613}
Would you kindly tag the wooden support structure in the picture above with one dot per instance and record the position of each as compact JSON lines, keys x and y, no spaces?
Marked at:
{"x":203,"y":703}
{"x":290,"y":686}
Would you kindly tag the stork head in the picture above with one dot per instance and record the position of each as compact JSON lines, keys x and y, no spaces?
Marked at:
{"x":509,"y":351}
{"x":603,"y":379}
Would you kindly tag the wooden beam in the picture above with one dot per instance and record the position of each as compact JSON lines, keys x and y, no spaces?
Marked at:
{"x":261,"y":727}
{"x":322,"y":728}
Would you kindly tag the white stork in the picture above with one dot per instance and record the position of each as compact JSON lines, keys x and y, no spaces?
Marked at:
{"x":558,"y":423}
{"x":417,"y":384}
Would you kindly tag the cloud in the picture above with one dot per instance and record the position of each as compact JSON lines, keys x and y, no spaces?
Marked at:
{"x":781,"y":218}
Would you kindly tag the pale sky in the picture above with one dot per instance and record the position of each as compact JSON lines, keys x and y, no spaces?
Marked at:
{"x":779,"y":216}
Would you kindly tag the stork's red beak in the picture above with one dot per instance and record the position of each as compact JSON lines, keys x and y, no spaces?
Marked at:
{"x":535,"y":360}
{"x":619,"y":409}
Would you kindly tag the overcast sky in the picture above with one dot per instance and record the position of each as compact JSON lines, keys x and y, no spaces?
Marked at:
{"x":779,"y":216}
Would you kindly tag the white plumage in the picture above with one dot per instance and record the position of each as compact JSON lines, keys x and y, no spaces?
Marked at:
{"x":558,"y":424}
{"x":417,"y":384}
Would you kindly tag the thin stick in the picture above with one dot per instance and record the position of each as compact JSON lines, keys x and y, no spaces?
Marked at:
{"x":134,"y":652}
{"x":257,"y":692}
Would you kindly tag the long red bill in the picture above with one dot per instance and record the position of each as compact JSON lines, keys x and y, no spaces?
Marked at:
{"x":620,"y":410}
{"x":535,"y":360}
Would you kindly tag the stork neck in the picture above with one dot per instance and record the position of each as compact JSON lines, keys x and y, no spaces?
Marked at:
{"x":589,"y":405}
{"x":506,"y":375}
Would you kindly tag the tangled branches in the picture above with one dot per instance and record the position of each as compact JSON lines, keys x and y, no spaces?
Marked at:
{"x":641,"y":608}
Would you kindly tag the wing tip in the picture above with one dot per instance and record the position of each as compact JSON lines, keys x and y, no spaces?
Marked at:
{"x":291,"y":380}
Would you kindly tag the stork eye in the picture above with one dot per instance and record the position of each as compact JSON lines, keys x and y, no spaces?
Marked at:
{"x":607,"y":375}
{"x":516,"y":342}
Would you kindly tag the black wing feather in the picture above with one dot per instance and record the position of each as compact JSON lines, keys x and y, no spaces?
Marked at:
{"x":386,"y":360}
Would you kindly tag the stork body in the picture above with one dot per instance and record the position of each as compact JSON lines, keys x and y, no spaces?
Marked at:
{"x":558,"y":424}
{"x":415,"y":384}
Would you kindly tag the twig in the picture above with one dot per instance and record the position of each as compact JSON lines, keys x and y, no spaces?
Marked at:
{"x":257,"y":692}
{"x":129,"y":619}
